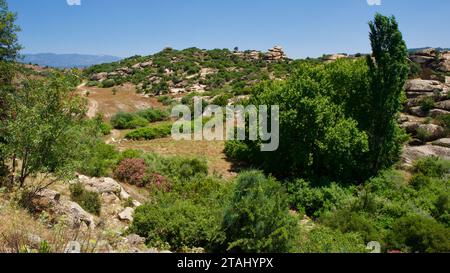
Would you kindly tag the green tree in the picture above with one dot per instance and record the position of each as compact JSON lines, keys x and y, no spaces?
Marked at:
{"x":257,"y":218}
{"x":388,"y":70}
{"x":45,"y":133}
{"x":9,"y":49}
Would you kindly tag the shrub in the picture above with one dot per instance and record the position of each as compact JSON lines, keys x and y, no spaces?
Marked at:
{"x":165,"y":100}
{"x":90,"y":201}
{"x":221,"y":100}
{"x":129,"y":154}
{"x":99,"y":161}
{"x":257,"y":218}
{"x":416,"y":233}
{"x":180,"y":168}
{"x":427,"y":104}
{"x":128,"y":121}
{"x":153,"y":115}
{"x":108,"y":83}
{"x":149,"y":133}
{"x":432,"y":167}
{"x":325,"y":240}
{"x":313,"y":201}
{"x":352,"y":222}
{"x":132,"y":171}
{"x":444,"y":121}
{"x":178,"y":223}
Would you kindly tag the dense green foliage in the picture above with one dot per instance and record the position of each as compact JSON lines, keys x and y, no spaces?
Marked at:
{"x":373,"y":211}
{"x":257,"y":219}
{"x":152,"y":132}
{"x":138,"y":119}
{"x":337,"y":121}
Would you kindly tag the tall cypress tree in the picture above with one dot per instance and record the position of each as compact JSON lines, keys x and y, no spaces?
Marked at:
{"x":388,"y":70}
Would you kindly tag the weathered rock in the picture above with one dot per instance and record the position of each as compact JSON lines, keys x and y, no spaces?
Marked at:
{"x":443,"y":105}
{"x":430,"y":52}
{"x":438,"y":112}
{"x":433,"y":132}
{"x":447,"y":80}
{"x":411,"y":154}
{"x":99,"y":76}
{"x":420,"y":59}
{"x":410,"y":126}
{"x":417,"y":111}
{"x":146,"y":64}
{"x":136,"y":66}
{"x":76,"y":215}
{"x":333,"y":57}
{"x":276,"y":53}
{"x":443,"y":142}
{"x":73,"y":247}
{"x":135,"y":240}
{"x":101,"y":185}
{"x":419,"y":85}
{"x":126,"y":215}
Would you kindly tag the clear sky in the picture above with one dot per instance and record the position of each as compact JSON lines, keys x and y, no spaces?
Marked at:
{"x":303,"y":27}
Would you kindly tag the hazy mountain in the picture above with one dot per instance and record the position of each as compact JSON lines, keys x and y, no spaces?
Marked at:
{"x":67,"y":60}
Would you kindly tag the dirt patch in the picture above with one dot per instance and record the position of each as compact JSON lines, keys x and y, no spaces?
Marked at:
{"x":124,"y":99}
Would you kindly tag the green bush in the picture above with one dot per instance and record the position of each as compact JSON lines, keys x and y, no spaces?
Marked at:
{"x":128,"y":121}
{"x":99,"y":161}
{"x":108,"y":83}
{"x":313,"y":201}
{"x":427,"y":104}
{"x":348,"y":221}
{"x":176,"y":167}
{"x":432,"y":167}
{"x":150,"y":133}
{"x":178,"y":223}
{"x":90,"y":201}
{"x":165,"y":100}
{"x":326,"y":240}
{"x":153,"y":115}
{"x":221,"y":100}
{"x":416,"y":233}
{"x":257,"y":219}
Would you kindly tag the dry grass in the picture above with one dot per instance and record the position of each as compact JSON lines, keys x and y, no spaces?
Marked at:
{"x":102,"y":100}
{"x":20,"y":232}
{"x":212,"y":151}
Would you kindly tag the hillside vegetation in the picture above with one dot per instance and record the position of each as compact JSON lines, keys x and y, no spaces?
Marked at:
{"x":350,"y":170}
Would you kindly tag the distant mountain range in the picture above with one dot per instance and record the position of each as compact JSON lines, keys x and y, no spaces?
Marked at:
{"x":67,"y":60}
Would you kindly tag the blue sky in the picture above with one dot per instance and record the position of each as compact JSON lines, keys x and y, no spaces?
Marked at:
{"x":303,"y":27}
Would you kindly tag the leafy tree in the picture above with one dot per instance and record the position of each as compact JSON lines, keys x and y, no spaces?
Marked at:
{"x":9,"y":46}
{"x":9,"y":50}
{"x":257,"y":218}
{"x":388,"y":70}
{"x":44,"y":129}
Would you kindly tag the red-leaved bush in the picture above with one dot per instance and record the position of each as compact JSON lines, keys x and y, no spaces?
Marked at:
{"x":158,"y":182}
{"x":132,"y":171}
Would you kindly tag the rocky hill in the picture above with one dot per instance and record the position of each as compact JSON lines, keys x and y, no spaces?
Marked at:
{"x":427,"y":110}
{"x":193,"y":70}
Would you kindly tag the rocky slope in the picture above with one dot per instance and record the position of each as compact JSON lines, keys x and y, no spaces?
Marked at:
{"x":193,"y":70}
{"x":427,"y":110}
